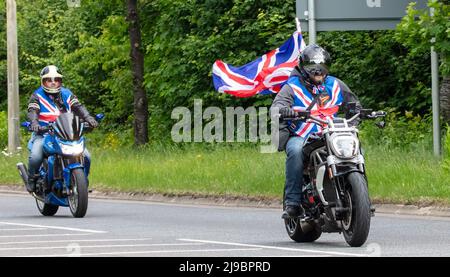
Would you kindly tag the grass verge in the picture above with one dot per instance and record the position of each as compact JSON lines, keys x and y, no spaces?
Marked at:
{"x":395,"y":176}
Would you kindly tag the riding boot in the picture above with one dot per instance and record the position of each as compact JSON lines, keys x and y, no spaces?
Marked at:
{"x":31,"y":184}
{"x":293,"y":211}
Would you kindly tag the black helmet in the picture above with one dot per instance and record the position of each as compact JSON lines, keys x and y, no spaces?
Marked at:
{"x":313,"y":60}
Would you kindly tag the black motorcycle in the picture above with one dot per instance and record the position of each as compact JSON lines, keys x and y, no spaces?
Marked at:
{"x":335,"y":191}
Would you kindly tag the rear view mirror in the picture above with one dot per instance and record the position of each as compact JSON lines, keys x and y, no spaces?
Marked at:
{"x":99,"y":116}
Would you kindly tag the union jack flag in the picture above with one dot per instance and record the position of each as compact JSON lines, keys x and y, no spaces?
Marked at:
{"x":265,"y":75}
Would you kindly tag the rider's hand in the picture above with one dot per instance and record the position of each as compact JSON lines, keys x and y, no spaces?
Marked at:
{"x":92,"y":121}
{"x":288,"y":112}
{"x":34,"y":126}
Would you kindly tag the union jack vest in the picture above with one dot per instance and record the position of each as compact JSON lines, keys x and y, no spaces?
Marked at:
{"x":48,"y":110}
{"x":327,"y":104}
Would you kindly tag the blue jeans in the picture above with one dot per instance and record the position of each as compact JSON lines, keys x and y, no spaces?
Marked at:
{"x":37,"y":155}
{"x":294,"y":170}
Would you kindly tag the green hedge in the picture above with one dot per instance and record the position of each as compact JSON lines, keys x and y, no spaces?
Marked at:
{"x":181,"y":40}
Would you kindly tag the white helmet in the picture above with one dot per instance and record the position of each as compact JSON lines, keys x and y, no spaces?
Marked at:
{"x":51,"y":79}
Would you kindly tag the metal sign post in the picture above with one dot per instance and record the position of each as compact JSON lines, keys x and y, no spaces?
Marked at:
{"x":311,"y":22}
{"x":352,"y":15}
{"x":435,"y":103}
{"x":435,"y":99}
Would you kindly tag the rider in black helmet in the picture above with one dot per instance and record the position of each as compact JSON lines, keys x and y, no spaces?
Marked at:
{"x":309,"y":80}
{"x":314,"y":63}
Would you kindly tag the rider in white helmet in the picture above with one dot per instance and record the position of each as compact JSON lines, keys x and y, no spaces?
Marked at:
{"x":45,"y":105}
{"x":51,"y":79}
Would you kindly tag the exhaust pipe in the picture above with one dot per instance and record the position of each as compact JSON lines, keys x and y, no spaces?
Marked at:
{"x":23,"y":172}
{"x":306,"y":226}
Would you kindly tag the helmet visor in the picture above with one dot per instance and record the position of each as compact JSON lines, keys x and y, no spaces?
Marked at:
{"x":49,"y":80}
{"x":316,"y":69}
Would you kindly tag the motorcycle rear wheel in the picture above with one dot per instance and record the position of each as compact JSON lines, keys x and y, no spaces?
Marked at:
{"x":78,"y":200}
{"x":296,"y":233}
{"x":46,"y":209}
{"x":356,"y":225}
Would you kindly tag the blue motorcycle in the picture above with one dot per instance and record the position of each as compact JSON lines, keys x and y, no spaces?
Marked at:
{"x":63,"y":175}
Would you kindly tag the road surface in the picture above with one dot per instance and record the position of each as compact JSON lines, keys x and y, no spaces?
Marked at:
{"x":150,"y":229}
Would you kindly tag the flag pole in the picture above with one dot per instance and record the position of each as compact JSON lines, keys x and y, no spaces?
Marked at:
{"x":299,"y":29}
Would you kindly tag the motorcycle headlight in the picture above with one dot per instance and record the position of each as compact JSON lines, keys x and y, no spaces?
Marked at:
{"x":72,"y":149}
{"x":345,"y":146}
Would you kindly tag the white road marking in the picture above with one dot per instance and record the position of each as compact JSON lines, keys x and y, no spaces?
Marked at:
{"x":70,"y":241}
{"x":55,"y":227}
{"x":298,"y":256}
{"x":22,"y":229}
{"x":100,"y":246}
{"x":274,"y":247}
{"x":148,"y":252}
{"x":44,"y":235}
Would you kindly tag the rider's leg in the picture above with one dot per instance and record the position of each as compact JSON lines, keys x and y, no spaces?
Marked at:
{"x":34,"y":161}
{"x":294,"y":174}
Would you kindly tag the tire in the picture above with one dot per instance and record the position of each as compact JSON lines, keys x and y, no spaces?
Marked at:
{"x":78,"y":200}
{"x":297,"y":234}
{"x":356,"y":225}
{"x":46,"y":209}
{"x":295,"y":231}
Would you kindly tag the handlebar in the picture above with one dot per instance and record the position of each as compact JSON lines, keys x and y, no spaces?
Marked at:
{"x":44,"y":129}
{"x":363,"y":114}
{"x":302,"y":116}
{"x":374,"y":115}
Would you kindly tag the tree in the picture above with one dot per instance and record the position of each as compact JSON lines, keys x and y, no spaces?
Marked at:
{"x":137,"y":67}
{"x":419,"y":30}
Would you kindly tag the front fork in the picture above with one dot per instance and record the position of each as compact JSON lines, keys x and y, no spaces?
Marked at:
{"x":342,"y":208}
{"x":67,"y":174}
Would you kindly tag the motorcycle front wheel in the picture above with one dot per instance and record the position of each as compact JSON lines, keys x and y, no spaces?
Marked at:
{"x":78,"y":199}
{"x":356,"y":223}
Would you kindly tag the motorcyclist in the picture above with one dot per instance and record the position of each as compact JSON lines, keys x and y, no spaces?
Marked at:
{"x":309,"y":87}
{"x":45,"y":105}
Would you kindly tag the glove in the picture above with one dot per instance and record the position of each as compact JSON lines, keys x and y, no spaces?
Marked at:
{"x":34,"y":126}
{"x":92,"y":121}
{"x":287,"y":112}
{"x":33,"y":116}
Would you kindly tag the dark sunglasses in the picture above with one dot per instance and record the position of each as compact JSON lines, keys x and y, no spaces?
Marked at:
{"x":53,"y":79}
